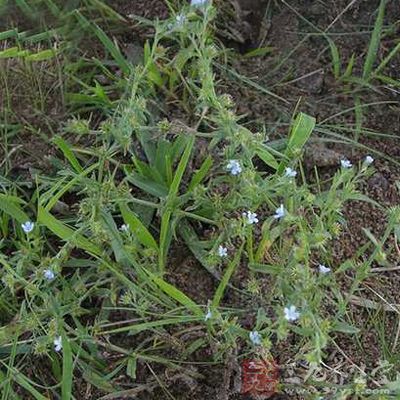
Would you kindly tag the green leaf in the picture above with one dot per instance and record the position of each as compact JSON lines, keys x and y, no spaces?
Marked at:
{"x":385,"y":61}
{"x":344,"y":327}
{"x":41,"y":55}
{"x":201,"y":173}
{"x":176,"y":294}
{"x":13,"y":52}
{"x":9,"y":205}
{"x":374,"y":42}
{"x":51,"y":199}
{"x":117,"y":244}
{"x":109,"y":45}
{"x":66,"y":384}
{"x":267,"y":157}
{"x":27,"y":384}
{"x":302,"y":128}
{"x":153,"y":74}
{"x":131,"y":367}
{"x":226,"y":278}
{"x":349,"y":69}
{"x":362,"y":197}
{"x":335,"y":57}
{"x":136,"y":226}
{"x":97,"y":380}
{"x":259,"y":52}
{"x":165,"y":230}
{"x":68,"y":154}
{"x":66,"y":233}
{"x":151,"y":187}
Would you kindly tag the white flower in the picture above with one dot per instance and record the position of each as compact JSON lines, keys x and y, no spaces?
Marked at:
{"x":346,"y":163}
{"x":222,"y":251}
{"x":28,"y":226}
{"x":208,"y":315}
{"x":368,"y":160}
{"x":234,"y":167}
{"x":291,"y":314}
{"x":124,"y":228}
{"x":57,"y":343}
{"x":323,"y":270}
{"x":280,"y":212}
{"x":198,"y":3}
{"x":251,"y":217}
{"x":180,"y":19}
{"x":290,"y":173}
{"x":49,"y":274}
{"x":255,"y":338}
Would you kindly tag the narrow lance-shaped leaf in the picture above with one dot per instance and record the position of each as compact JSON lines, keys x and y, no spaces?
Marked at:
{"x":9,"y":205}
{"x":68,"y":154}
{"x":300,"y":133}
{"x":65,"y":233}
{"x":136,"y":226}
{"x":165,"y":230}
{"x":67,"y":371}
{"x":226,"y":278}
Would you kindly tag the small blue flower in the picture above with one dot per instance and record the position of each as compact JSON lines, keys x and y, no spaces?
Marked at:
{"x":368,"y":160}
{"x":234,"y":167}
{"x":222,"y":251}
{"x":198,"y":3}
{"x":57,"y":343}
{"x":280,"y":212}
{"x":291,"y":314}
{"x":208,"y":315}
{"x":251,"y":218}
{"x":28,"y":226}
{"x":255,"y":338}
{"x":290,"y":173}
{"x":323,"y":270}
{"x":49,"y":274}
{"x":180,"y":19}
{"x":346,"y":163}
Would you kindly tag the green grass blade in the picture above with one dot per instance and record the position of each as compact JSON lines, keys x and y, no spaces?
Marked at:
{"x":226,"y":278}
{"x":107,"y":43}
{"x":374,"y":42}
{"x":26,"y":383}
{"x":201,"y":173}
{"x":66,"y":233}
{"x":176,"y":294}
{"x":267,"y":157}
{"x":181,"y":168}
{"x":64,"y":188}
{"x":67,"y":369}
{"x":385,"y":61}
{"x":165,"y":230}
{"x":43,"y":55}
{"x":8,"y":204}
{"x":151,"y":187}
{"x":136,"y":226}
{"x":301,"y":131}
{"x":117,"y":244}
{"x":349,"y":69}
{"x":25,"y":8}
{"x":335,"y":58}
{"x":68,"y":154}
